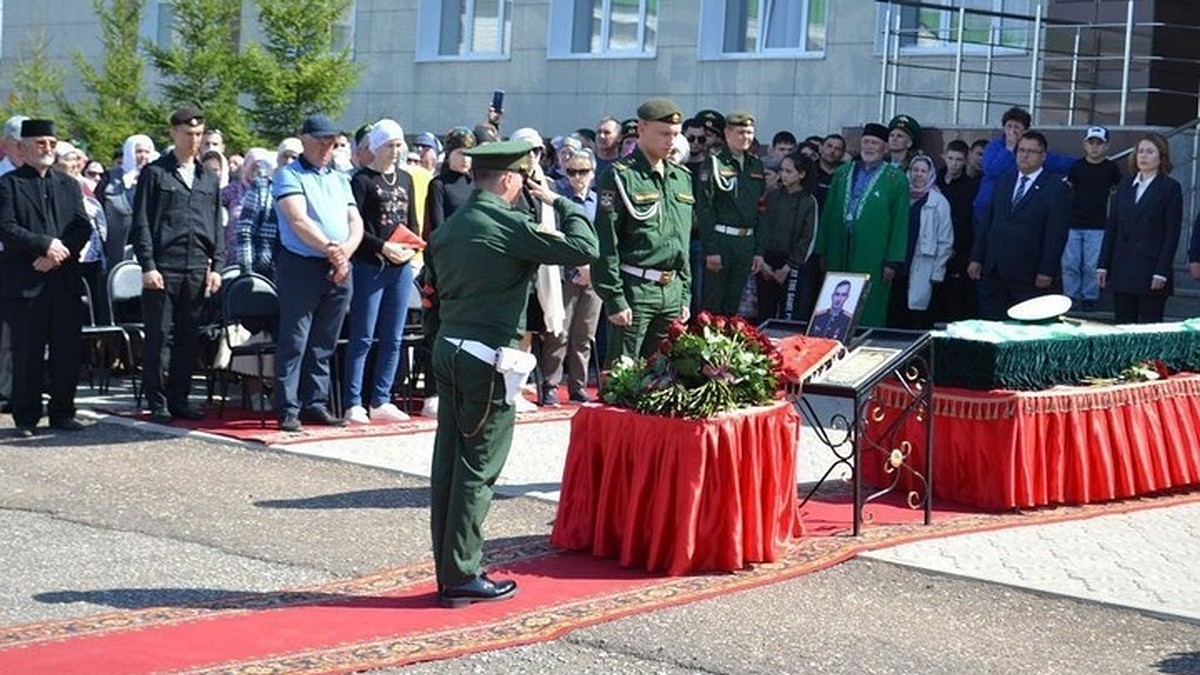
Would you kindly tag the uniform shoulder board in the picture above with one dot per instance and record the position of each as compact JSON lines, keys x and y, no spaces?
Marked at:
{"x":621,"y":164}
{"x":682,"y":166}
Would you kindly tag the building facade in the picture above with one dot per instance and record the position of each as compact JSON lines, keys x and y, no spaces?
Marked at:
{"x":809,"y":66}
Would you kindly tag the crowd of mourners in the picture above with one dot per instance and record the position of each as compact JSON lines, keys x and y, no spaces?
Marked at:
{"x":946,"y":233}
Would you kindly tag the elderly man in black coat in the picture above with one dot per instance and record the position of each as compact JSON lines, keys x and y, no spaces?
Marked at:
{"x":43,"y":226}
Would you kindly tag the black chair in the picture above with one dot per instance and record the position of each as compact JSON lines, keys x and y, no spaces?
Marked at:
{"x":125,"y":303}
{"x":97,"y":333}
{"x":250,"y":301}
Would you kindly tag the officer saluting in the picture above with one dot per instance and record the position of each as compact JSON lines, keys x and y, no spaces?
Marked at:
{"x":644,"y":223}
{"x":480,"y":263}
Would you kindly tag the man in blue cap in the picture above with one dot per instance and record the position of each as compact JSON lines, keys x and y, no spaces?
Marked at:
{"x":319,"y":229}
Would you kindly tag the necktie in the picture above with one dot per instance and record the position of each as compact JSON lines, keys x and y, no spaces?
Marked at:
{"x":1021,"y":185}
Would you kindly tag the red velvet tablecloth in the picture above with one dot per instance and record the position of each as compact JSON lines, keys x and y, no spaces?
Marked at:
{"x":1066,"y":445}
{"x":680,"y":495}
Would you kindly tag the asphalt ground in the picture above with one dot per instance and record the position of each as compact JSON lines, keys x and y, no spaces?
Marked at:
{"x":118,"y":517}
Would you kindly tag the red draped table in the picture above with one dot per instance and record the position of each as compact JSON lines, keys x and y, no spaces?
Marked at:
{"x":1066,"y":445}
{"x":679,"y":495}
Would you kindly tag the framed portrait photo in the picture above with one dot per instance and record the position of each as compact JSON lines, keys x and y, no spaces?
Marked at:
{"x":838,"y":305}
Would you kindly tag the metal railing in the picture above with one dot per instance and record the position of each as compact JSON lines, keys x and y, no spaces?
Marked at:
{"x":980,"y":56}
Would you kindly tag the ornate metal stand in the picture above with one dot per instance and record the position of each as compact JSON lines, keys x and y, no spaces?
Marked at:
{"x":910,"y":368}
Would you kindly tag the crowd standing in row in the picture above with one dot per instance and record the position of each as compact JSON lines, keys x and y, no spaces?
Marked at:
{"x":725,"y":224}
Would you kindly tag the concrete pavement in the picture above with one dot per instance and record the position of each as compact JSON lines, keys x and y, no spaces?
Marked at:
{"x":125,"y":516}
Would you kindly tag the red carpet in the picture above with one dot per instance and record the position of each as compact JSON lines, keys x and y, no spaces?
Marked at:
{"x":246,"y":425}
{"x":391,"y":618}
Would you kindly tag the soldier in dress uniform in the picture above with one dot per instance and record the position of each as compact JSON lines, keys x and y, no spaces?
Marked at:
{"x":643,"y":222}
{"x":480,"y":263}
{"x":728,"y":217}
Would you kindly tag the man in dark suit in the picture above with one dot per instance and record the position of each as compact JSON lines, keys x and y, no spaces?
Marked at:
{"x":177,"y":236}
{"x":1018,"y":249}
{"x":43,"y":227}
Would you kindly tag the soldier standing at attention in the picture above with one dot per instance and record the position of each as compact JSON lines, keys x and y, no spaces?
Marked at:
{"x":480,"y":264}
{"x":644,"y":222}
{"x":728,"y":217}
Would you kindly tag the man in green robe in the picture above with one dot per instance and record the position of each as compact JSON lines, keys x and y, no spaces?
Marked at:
{"x":480,"y":264}
{"x":865,"y":224}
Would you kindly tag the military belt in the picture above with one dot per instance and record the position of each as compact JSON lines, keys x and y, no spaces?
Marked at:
{"x":734,"y":231}
{"x":660,"y":277}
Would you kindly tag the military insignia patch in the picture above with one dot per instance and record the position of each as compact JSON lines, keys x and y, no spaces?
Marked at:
{"x":608,"y":199}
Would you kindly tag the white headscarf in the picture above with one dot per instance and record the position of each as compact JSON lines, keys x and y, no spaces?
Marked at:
{"x":129,"y":160}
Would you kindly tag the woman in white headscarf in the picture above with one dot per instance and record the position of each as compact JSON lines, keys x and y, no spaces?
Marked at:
{"x":117,"y":199}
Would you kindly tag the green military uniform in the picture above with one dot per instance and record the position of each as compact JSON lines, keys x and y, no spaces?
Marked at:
{"x":480,"y":263}
{"x":727,"y":212}
{"x":643,"y":223}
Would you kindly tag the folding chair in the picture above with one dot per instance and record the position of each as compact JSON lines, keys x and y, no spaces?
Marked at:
{"x":250,"y":301}
{"x":94,"y":331}
{"x":124,"y":292}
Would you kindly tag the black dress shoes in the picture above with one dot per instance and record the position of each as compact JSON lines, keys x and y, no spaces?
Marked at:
{"x":321,"y":416}
{"x":67,"y":424}
{"x":160,"y":416}
{"x":187,"y":412}
{"x":479,"y":589}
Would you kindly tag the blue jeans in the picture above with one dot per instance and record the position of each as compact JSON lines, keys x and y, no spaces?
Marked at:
{"x":311,"y":310}
{"x":378,"y":308}
{"x":1079,"y":264}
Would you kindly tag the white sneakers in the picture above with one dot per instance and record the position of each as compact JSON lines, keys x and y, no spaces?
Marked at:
{"x":524,"y":405}
{"x":357,"y":415}
{"x":387,"y":412}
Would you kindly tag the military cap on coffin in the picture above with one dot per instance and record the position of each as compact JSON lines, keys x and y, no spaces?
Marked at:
{"x":501,"y":156}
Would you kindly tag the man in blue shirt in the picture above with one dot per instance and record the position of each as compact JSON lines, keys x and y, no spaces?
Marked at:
{"x":319,"y":229}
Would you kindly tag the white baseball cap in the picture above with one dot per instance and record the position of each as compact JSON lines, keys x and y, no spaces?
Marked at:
{"x":1097,"y":132}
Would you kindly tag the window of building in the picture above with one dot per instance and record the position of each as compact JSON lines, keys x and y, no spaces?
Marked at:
{"x":603,"y":28}
{"x":762,"y":28}
{"x":464,"y":29}
{"x":925,"y":29}
{"x":158,"y":23}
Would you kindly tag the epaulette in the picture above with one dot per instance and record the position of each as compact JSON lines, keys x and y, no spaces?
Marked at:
{"x":680,"y":165}
{"x":621,"y":164}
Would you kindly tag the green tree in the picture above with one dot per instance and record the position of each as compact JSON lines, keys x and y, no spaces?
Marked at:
{"x":202,"y":66}
{"x":298,"y":69}
{"x":37,"y":82}
{"x":115,"y":105}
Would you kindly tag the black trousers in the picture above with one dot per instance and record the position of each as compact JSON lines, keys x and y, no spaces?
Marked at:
{"x":1139,"y":308}
{"x":53,"y":318}
{"x":174,"y":311}
{"x":996,"y":295}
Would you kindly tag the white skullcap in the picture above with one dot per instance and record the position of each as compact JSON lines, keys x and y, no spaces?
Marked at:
{"x":12,"y":127}
{"x":382,"y":132}
{"x":291,"y":144}
{"x":64,"y":148}
{"x":529,"y":135}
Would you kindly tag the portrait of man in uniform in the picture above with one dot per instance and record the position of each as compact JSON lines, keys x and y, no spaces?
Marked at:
{"x":838,"y":305}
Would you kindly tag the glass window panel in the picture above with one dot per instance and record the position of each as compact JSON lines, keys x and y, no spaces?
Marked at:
{"x":784,"y":24}
{"x":486,"y":35}
{"x":454,"y":13}
{"x":741,"y":26}
{"x":650,"y":36}
{"x":816,"y":25}
{"x":623,"y":21}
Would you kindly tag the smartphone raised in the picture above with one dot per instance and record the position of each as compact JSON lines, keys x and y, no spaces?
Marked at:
{"x":498,"y":100}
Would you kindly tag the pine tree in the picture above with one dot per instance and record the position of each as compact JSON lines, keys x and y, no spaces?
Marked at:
{"x":202,"y":66}
{"x":298,"y":70}
{"x":115,"y":105}
{"x":37,"y":82}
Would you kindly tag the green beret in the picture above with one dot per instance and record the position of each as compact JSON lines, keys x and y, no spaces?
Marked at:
{"x":908,"y":125}
{"x":501,"y":156}
{"x":711,"y":120}
{"x":660,"y":110}
{"x":739,"y":118}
